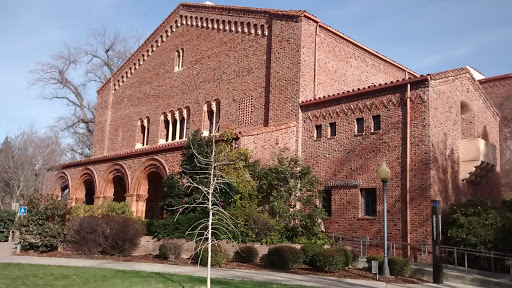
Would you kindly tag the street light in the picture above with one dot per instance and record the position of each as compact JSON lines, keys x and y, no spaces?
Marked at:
{"x":384,"y":173}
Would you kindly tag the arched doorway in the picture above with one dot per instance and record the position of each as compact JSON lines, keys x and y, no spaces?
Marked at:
{"x":119,"y":186}
{"x":89,"y":191}
{"x":154,"y":191}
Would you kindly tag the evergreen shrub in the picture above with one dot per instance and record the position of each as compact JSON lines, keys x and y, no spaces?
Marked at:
{"x":309,"y":249}
{"x":43,"y":227}
{"x":247,"y":254}
{"x":329,"y":260}
{"x":284,"y":257}
{"x":7,"y":218}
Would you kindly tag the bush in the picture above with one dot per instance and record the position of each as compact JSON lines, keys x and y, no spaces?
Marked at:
{"x":309,"y":249}
{"x":112,"y":235}
{"x":398,"y":266}
{"x":247,"y":254}
{"x":169,"y":228}
{"x":43,"y":227}
{"x":218,"y":256}
{"x":170,"y":250}
{"x":284,"y":257}
{"x":7,"y":218}
{"x":330,"y":260}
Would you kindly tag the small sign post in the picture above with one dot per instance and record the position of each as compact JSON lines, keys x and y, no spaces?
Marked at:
{"x":22,"y":210}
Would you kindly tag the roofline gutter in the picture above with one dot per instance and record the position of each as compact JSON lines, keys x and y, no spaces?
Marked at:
{"x":363,"y":91}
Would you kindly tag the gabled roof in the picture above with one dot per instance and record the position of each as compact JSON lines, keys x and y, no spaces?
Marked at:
{"x":411,"y":80}
{"x":170,"y":24}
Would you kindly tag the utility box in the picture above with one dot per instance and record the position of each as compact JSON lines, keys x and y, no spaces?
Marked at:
{"x":375,"y":269}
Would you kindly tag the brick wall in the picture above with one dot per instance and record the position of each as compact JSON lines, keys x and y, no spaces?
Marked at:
{"x":447,"y":128}
{"x":499,"y":91}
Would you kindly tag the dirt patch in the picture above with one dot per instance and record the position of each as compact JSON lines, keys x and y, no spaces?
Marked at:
{"x":351,"y":273}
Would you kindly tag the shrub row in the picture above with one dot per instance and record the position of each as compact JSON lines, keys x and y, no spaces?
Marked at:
{"x":105,"y":208}
{"x":398,"y":266}
{"x":201,"y":255}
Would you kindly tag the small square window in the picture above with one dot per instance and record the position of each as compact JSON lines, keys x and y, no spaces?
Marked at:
{"x":360,"y":125}
{"x":326,"y":202}
{"x":369,"y":202}
{"x":318,"y":131}
{"x":376,"y":123}
{"x":332,"y":129}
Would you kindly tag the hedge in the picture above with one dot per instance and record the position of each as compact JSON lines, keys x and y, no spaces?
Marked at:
{"x":284,"y":257}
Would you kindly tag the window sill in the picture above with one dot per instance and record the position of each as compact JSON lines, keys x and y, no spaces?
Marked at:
{"x":367,"y":218}
{"x":333,"y":137}
{"x":358,"y":134}
{"x":375,"y":132}
{"x":317,"y":139}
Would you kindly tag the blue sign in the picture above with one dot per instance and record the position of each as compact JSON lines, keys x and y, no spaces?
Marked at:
{"x":22,"y":210}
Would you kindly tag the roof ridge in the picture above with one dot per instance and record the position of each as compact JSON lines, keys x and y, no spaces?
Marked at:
{"x":494,"y":78}
{"x":364,"y":89}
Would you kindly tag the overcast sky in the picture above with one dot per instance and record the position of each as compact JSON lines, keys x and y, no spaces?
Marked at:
{"x":425,"y":36}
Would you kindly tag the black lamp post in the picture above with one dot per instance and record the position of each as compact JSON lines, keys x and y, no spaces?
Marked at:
{"x":384,"y":174}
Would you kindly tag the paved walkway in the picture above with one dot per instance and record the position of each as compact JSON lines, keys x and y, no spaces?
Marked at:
{"x":7,"y":250}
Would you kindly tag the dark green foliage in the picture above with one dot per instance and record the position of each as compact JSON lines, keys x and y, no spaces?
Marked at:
{"x":399,"y":266}
{"x":284,"y":257}
{"x":7,"y":218}
{"x":111,"y":235}
{"x":478,"y":225}
{"x":175,"y":191}
{"x":44,"y":225}
{"x":173,"y":227}
{"x":259,"y":197}
{"x":247,"y":254}
{"x":330,"y":260}
{"x":170,"y":250}
{"x":309,"y":249}
{"x":218,"y":256}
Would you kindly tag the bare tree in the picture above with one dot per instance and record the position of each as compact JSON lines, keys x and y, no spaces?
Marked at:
{"x":24,"y":159}
{"x":219,"y":223}
{"x":73,"y":74}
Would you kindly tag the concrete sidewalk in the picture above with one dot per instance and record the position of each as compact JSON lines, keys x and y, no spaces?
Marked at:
{"x":7,"y":250}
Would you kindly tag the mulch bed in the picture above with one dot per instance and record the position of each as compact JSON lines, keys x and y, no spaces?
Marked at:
{"x":351,"y":273}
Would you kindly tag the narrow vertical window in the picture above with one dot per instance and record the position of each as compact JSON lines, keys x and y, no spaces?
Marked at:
{"x":369,"y":202}
{"x":164,"y":128}
{"x":332,"y":129}
{"x":360,"y":125}
{"x":141,"y":133}
{"x":318,"y":131}
{"x":179,"y":59}
{"x":326,"y":202}
{"x":146,"y":134}
{"x":376,"y":123}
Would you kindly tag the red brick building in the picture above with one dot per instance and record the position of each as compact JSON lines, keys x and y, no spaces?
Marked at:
{"x":285,"y":79}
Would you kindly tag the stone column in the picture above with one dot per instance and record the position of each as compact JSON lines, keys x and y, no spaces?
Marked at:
{"x":177,"y":116}
{"x":140,"y":205}
{"x":169,"y":118}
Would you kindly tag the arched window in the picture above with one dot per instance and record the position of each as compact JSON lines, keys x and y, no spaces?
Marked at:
{"x":211,"y":117}
{"x":164,"y":128}
{"x":142,"y":132}
{"x":178,"y":63}
{"x":467,"y":120}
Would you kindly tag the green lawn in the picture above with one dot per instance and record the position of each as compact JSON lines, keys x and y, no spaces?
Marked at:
{"x":29,"y":275}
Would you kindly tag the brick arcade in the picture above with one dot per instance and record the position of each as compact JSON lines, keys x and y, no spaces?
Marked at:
{"x":285,"y":79}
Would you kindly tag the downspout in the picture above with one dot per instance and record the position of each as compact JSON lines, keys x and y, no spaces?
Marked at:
{"x":316,"y":60}
{"x":408,"y":163}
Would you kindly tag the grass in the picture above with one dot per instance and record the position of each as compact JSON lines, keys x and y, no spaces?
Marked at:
{"x":31,"y":275}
